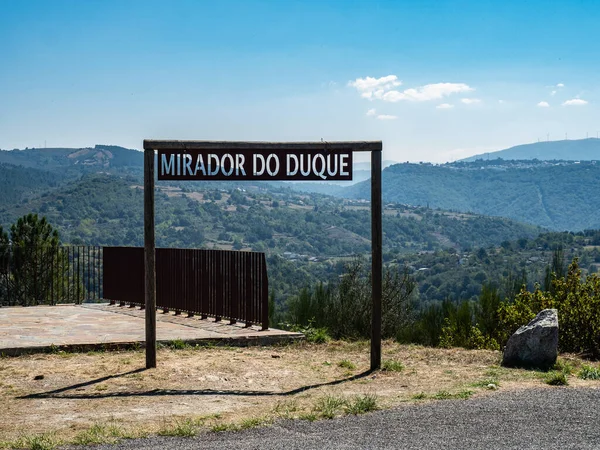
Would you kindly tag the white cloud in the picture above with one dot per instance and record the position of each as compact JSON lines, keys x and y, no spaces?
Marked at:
{"x":470,"y":101}
{"x":428,"y":92}
{"x":444,"y":106}
{"x":575,"y":102}
{"x":371,"y":112}
{"x":501,"y":102}
{"x":370,"y":87}
{"x":386,"y":117}
{"x":553,"y":93}
{"x":560,"y":85}
{"x":383,"y":89}
{"x":543,"y":104}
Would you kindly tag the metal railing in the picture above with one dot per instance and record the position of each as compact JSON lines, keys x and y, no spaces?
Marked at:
{"x":49,"y":275}
{"x":217,"y":283}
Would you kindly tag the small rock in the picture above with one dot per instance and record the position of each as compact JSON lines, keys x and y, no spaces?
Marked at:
{"x":38,"y":377}
{"x":275,"y":356}
{"x":492,"y":387}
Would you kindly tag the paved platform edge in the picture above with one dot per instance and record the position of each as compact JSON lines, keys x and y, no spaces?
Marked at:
{"x":240,"y":341}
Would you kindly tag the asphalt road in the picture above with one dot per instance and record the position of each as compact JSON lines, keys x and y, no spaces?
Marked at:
{"x":549,"y":418}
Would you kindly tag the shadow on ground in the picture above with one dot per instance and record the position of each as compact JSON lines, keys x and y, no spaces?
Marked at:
{"x":64,"y":392}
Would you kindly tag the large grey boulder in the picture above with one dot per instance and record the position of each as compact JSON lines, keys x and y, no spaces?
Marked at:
{"x":534,"y":345}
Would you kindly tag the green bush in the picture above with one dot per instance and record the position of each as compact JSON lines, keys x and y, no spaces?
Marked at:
{"x":589,"y":373}
{"x":343,"y":307}
{"x":459,"y":331}
{"x":556,"y":378}
{"x":577,"y":301}
{"x":312,"y":334}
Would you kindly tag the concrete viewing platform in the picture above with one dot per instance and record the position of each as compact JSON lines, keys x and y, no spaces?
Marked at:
{"x":92,"y":326}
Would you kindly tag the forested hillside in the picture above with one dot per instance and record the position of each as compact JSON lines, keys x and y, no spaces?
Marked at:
{"x":95,"y":197}
{"x":108,"y":210}
{"x":570,"y":150}
{"x":555,"y":195}
{"x":18,"y":183}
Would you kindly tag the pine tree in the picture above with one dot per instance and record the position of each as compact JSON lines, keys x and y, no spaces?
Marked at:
{"x":36,"y":264}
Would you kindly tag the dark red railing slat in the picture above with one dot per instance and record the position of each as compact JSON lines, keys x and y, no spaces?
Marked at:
{"x":218,"y":283}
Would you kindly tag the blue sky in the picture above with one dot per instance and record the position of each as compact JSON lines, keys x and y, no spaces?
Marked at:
{"x":436,"y":81}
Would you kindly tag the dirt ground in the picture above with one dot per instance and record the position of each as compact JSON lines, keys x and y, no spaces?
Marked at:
{"x":67,"y":394}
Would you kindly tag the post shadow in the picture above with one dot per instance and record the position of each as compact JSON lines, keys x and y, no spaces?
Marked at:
{"x":58,"y":393}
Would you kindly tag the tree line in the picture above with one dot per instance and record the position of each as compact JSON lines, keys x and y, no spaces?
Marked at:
{"x":342,"y":309}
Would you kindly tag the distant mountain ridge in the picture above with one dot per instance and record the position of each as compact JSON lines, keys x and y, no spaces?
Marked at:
{"x":556,"y":195}
{"x":566,"y":150}
{"x":97,"y":157}
{"x":551,"y":194}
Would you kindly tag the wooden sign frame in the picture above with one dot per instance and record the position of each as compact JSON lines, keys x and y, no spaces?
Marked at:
{"x":249,"y":148}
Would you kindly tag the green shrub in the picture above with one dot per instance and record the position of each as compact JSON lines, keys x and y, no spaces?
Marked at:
{"x":577,"y":302}
{"x":318,"y":335}
{"x":555,"y":378}
{"x":589,"y":373}
{"x":343,"y":307}
{"x":564,"y":366}
{"x":311,"y":333}
{"x":177,"y":344}
{"x":469,"y":337}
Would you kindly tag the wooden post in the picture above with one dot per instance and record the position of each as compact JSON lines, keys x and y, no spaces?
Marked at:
{"x":377,"y":258}
{"x":149,"y":259}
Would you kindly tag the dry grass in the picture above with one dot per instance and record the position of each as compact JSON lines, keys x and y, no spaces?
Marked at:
{"x":106,"y":396}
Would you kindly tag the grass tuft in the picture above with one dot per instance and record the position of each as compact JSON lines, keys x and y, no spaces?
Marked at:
{"x":99,"y":434}
{"x":445,"y":395}
{"x":252,"y":422}
{"x":182,"y":428}
{"x":38,"y":442}
{"x":485,"y":383}
{"x":311,"y":417}
{"x":286,"y":409}
{"x":419,"y":396}
{"x":362,"y":404}
{"x":329,"y":406}
{"x":564,"y":366}
{"x":555,"y":378}
{"x":589,"y":373}
{"x":221,"y":427}
{"x":347,"y":364}
{"x":177,"y":344}
{"x":390,"y":365}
